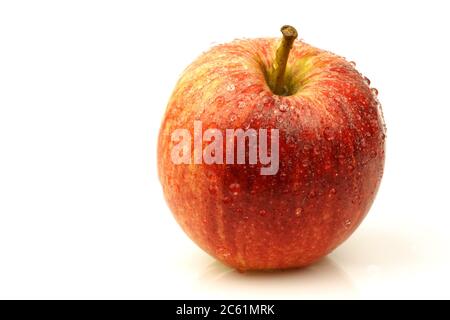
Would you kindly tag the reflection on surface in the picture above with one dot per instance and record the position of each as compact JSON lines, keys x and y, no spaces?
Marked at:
{"x":324,"y":279}
{"x":378,"y":261}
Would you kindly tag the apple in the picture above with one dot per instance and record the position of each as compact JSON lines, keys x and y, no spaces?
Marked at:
{"x":329,"y":148}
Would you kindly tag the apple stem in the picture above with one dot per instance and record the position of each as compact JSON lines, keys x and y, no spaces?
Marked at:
{"x":279,"y":66}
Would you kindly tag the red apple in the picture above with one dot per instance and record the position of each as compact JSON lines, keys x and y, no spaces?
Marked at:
{"x":331,"y":152}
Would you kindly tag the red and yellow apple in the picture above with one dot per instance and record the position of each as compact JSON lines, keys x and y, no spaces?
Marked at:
{"x":331,"y":152}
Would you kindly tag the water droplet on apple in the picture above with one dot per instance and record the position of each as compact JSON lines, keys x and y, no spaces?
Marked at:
{"x":328,"y":134}
{"x":262,"y":212}
{"x":316,"y":150}
{"x":305,"y":163}
{"x":374,"y":91}
{"x":219,"y":101}
{"x":226,"y":199}
{"x":363,"y":143}
{"x":341,"y":159}
{"x":222,"y":251}
{"x":298,"y":212}
{"x":283,"y":107}
{"x":380,"y":112}
{"x":332,"y":192}
{"x":347,"y":223}
{"x":367,"y":81}
{"x":212,"y":189}
{"x":241,"y":104}
{"x":235,"y":188}
{"x":353,"y":63}
{"x":230,"y":87}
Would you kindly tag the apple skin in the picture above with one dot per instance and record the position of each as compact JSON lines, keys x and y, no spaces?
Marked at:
{"x":331,"y":156}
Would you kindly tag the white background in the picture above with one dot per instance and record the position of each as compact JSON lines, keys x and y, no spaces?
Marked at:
{"x":83,"y":87}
